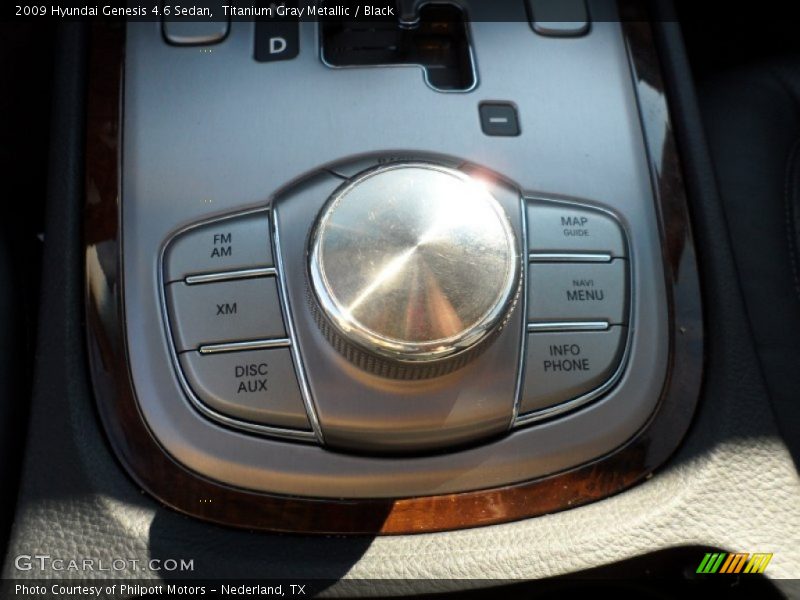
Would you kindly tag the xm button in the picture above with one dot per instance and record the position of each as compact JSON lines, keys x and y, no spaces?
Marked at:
{"x":229,"y":311}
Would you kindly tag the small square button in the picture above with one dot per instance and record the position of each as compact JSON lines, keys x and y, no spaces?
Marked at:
{"x":194,"y":33}
{"x":559,"y":18}
{"x":197,"y":30}
{"x":499,"y":119}
{"x":277,"y":39}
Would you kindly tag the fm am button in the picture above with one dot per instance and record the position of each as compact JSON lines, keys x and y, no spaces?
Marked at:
{"x":563,"y":366}
{"x":563,"y":292}
{"x":259,"y":386}
{"x":231,"y":244}
{"x":222,"y":246}
{"x":565,"y":228}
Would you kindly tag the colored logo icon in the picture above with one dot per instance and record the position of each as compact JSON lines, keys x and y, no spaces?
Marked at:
{"x":740,"y":562}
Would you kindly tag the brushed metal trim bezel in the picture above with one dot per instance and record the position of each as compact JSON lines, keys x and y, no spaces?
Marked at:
{"x":229,"y":275}
{"x":517,"y":421}
{"x":408,"y":353}
{"x":267,"y":430}
{"x":580,"y":401}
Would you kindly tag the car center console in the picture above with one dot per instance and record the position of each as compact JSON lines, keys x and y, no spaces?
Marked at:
{"x":421,"y":261}
{"x":420,"y":320}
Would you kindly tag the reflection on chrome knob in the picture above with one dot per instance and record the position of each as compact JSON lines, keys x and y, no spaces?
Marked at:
{"x":414,"y":268}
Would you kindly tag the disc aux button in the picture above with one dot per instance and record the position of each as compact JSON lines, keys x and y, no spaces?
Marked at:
{"x":565,"y":365}
{"x":258,"y":386}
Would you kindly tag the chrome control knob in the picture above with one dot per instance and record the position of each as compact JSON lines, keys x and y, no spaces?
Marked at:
{"x":414,"y":267}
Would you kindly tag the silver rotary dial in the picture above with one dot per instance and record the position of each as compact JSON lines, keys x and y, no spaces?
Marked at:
{"x":413,"y":267}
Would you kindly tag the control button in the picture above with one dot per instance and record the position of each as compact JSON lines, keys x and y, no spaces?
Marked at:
{"x":577,"y":292}
{"x":258,"y":386}
{"x":225,"y":245}
{"x":499,"y":119}
{"x":559,"y":18}
{"x":412,"y":266}
{"x":209,"y":313}
{"x":195,"y":33}
{"x":563,"y":366}
{"x":351,"y":168}
{"x":196,"y":27}
{"x":564,"y":228}
{"x":277,"y":39}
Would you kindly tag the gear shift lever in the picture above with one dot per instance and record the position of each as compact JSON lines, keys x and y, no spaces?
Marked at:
{"x":409,"y":17}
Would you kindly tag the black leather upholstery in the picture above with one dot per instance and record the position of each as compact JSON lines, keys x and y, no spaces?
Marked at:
{"x":25,"y":60}
{"x":752,"y":120}
{"x":9,"y":340}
